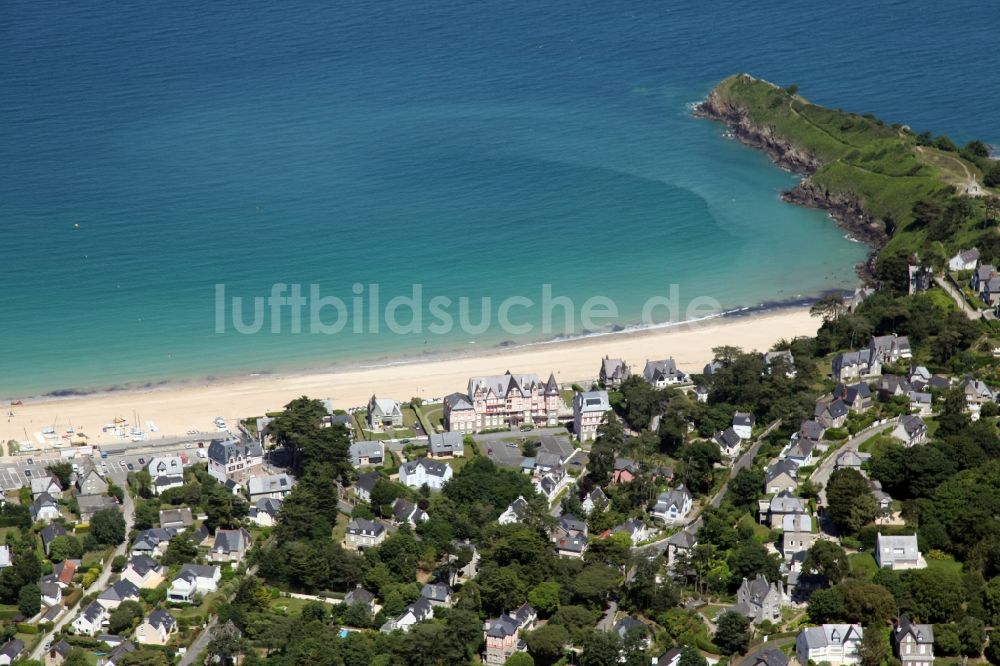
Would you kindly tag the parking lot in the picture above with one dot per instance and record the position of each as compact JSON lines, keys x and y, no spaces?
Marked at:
{"x":18,"y":472}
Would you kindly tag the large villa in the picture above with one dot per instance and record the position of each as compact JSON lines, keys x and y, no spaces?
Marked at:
{"x":502,"y":401}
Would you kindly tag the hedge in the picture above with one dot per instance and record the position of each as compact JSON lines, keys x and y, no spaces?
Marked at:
{"x":25,"y":628}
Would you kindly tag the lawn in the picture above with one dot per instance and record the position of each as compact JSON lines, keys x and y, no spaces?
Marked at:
{"x":289,"y":605}
{"x":434,"y":416}
{"x":340,"y":529}
{"x":863,"y":564}
{"x":944,"y":565}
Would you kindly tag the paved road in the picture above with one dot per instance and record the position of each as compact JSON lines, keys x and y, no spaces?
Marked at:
{"x":200,"y":643}
{"x":99,"y":584}
{"x":746,"y":460}
{"x":822,"y":473}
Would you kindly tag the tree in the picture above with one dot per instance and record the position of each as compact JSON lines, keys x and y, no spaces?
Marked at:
{"x":751,"y":559}
{"x":520,"y":659}
{"x":107,"y":527}
{"x":546,"y":644}
{"x":594,"y":583}
{"x":829,"y":308}
{"x":746,"y":487}
{"x":226,"y":643}
{"x":827,"y":558}
{"x":850,"y":504}
{"x":699,"y":465}
{"x":64,"y":547}
{"x":119,"y":563}
{"x":601,"y":648}
{"x":691,"y":657}
{"x":544,"y":597}
{"x":732,"y":633}
{"x":62,"y":471}
{"x":382,"y":495}
{"x":76,"y":657}
{"x":868,"y":603}
{"x":874,"y":648}
{"x":180,"y":549}
{"x":826,"y":606}
{"x":576,"y":619}
{"x":147,"y":514}
{"x":123,"y":617}
{"x":29,"y":600}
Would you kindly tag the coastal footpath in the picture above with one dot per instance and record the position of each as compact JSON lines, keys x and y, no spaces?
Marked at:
{"x":902,"y":192}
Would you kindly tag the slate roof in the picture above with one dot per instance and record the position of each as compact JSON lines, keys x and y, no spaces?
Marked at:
{"x":727,"y":439}
{"x":431,"y":467}
{"x":364,"y":527}
{"x":445,"y":443}
{"x":161,"y":618}
{"x":778,"y":468}
{"x":922,"y":633}
{"x":666,"y":368}
{"x":120,"y":591}
{"x":358,"y":595}
{"x":367,"y":481}
{"x":276,"y":483}
{"x":181,"y":516}
{"x":831,"y":634}
{"x":812,"y":430}
{"x":231,"y":541}
{"x":12,"y":648}
{"x":436,"y":592}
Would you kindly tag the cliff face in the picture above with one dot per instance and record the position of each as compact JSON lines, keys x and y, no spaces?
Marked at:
{"x":782,"y":152}
{"x":846,"y":210}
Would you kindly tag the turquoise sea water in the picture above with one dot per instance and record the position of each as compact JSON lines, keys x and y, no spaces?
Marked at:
{"x":478,"y":149}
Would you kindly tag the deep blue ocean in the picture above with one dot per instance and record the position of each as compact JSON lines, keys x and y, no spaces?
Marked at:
{"x":151,"y":151}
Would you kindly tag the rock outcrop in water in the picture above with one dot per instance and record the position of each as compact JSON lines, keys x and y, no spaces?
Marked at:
{"x":845,"y":209}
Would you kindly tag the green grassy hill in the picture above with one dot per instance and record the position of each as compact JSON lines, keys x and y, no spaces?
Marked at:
{"x":882,"y":169}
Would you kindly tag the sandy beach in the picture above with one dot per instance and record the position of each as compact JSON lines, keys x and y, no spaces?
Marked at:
{"x":179,"y":409}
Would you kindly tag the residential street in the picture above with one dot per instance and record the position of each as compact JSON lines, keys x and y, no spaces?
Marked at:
{"x":101,"y":582}
{"x":745,"y":460}
{"x":822,"y":473}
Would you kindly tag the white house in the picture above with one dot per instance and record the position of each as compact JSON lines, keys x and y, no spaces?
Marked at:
{"x":664,"y":373}
{"x":275,"y":486}
{"x":193,"y":579}
{"x":911,"y":430}
{"x":44,"y":508}
{"x":90,"y":619}
{"x":418,"y":611}
{"x":965,"y":260}
{"x":743,"y":424}
{"x":265,"y":512}
{"x":835,"y":644}
{"x":421,"y":471}
{"x":45,"y":484}
{"x":514,"y":513}
{"x":165,"y":466}
{"x":898,"y":552}
{"x":673,"y":505}
{"x":363,"y":533}
{"x":589,"y":409}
